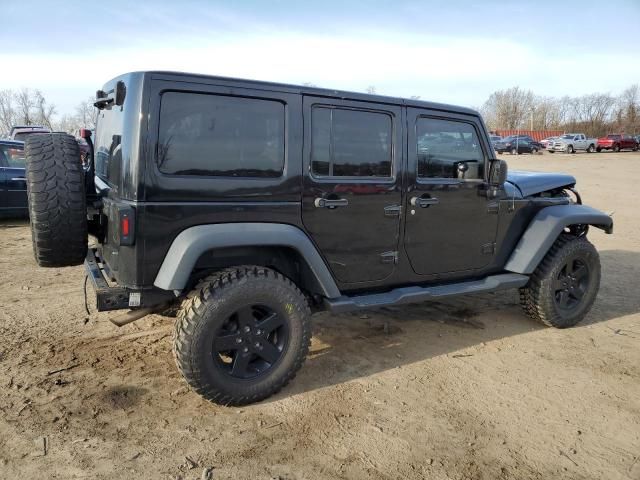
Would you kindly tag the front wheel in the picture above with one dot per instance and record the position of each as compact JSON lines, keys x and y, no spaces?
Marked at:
{"x":242,"y":335}
{"x":564,"y":286}
{"x":590,"y":149}
{"x":570,"y":149}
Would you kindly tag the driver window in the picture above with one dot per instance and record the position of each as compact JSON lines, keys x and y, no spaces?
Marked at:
{"x":448,"y":149}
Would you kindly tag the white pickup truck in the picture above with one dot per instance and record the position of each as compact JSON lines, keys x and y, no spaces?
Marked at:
{"x":572,"y":142}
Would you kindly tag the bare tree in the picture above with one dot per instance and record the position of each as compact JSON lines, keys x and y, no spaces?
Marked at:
{"x":371,"y":89}
{"x":25,"y":104}
{"x":509,"y":109}
{"x":86,"y":114}
{"x":7,"y":111}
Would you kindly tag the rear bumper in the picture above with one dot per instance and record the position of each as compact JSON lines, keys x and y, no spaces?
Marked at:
{"x":116,"y":297}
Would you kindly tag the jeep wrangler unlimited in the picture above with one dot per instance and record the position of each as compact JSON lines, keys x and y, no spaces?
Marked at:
{"x":254,"y":204}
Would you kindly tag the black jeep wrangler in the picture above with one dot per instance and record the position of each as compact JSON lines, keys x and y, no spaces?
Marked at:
{"x":254,"y":204}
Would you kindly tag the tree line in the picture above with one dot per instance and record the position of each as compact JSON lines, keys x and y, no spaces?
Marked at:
{"x":594,"y":114}
{"x":30,"y":107}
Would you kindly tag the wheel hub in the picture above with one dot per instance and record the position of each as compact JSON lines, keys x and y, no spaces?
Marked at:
{"x":251,"y":341}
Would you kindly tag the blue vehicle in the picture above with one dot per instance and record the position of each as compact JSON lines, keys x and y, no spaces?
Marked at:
{"x":13,"y":186}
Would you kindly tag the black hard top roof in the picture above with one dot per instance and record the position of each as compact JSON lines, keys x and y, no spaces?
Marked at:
{"x":308,"y":90}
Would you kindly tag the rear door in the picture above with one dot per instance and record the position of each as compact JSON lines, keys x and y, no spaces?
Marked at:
{"x":352,"y":197}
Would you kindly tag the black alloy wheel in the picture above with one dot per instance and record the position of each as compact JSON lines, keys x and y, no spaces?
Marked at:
{"x":250,"y":342}
{"x":571,"y":284}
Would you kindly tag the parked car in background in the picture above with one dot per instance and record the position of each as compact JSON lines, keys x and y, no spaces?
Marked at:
{"x":13,"y":186}
{"x":20,"y":132}
{"x":518,"y":144}
{"x":495,"y":139}
{"x":545,"y":143}
{"x":572,"y":142}
{"x":617,"y":142}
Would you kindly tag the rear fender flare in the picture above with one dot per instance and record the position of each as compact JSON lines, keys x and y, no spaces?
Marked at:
{"x":191,"y":243}
{"x":544,"y":230}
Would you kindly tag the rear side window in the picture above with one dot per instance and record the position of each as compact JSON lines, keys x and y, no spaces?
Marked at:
{"x":350,"y":143}
{"x":11,"y":157}
{"x":216,"y":135}
{"x":448,"y":149}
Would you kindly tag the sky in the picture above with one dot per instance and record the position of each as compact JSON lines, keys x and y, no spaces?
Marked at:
{"x":451,"y":51}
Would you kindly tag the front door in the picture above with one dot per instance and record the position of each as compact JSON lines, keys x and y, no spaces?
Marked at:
{"x":352,"y":199}
{"x":450,"y":223}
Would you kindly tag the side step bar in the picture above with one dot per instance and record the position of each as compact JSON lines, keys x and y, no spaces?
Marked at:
{"x":401,"y":296}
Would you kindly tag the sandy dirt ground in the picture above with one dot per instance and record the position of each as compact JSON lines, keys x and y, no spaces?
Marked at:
{"x":463,"y":389}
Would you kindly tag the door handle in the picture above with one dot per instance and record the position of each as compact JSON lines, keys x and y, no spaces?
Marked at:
{"x":424,"y":202}
{"x":330,"y":203}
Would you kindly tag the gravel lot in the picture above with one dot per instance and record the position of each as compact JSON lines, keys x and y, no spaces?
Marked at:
{"x":464,"y":389}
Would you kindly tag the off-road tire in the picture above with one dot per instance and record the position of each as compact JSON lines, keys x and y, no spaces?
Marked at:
{"x":206,"y":309}
{"x":538,"y":296}
{"x":57,"y":203}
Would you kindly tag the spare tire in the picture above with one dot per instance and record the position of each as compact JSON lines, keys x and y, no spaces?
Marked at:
{"x":57,"y":203}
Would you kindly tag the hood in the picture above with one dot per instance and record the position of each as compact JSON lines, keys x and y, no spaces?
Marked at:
{"x":530,"y":183}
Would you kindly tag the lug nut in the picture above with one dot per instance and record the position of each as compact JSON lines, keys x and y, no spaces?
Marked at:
{"x":238,"y":340}
{"x":258,"y":332}
{"x":247,"y":329}
{"x":258,"y":345}
{"x":245,"y":349}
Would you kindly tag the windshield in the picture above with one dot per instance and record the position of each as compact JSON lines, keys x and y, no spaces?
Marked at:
{"x":615,"y":137}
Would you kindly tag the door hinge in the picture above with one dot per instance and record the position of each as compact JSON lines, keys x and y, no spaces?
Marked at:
{"x":389,"y":257}
{"x":392,"y":211}
{"x":488,"y":248}
{"x":493,"y":207}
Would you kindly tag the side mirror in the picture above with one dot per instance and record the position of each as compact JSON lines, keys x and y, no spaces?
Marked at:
{"x":498,"y":173}
{"x":497,"y":177}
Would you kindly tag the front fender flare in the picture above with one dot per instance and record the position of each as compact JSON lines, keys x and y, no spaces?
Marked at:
{"x":191,"y":243}
{"x":544,"y":230}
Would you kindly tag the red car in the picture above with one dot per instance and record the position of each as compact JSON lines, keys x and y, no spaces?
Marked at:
{"x":617,"y":142}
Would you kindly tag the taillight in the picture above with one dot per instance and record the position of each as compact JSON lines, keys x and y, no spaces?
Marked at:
{"x":127,"y":225}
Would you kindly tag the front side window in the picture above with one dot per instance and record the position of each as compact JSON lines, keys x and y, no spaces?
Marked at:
{"x":448,"y":149}
{"x":350,"y":143}
{"x":216,"y":135}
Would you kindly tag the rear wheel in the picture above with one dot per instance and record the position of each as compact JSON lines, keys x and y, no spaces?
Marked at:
{"x":598,"y":149}
{"x":534,"y":150}
{"x":242,"y":335}
{"x":57,"y":203}
{"x":563,"y":288}
{"x":590,"y":149}
{"x":616,"y":148}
